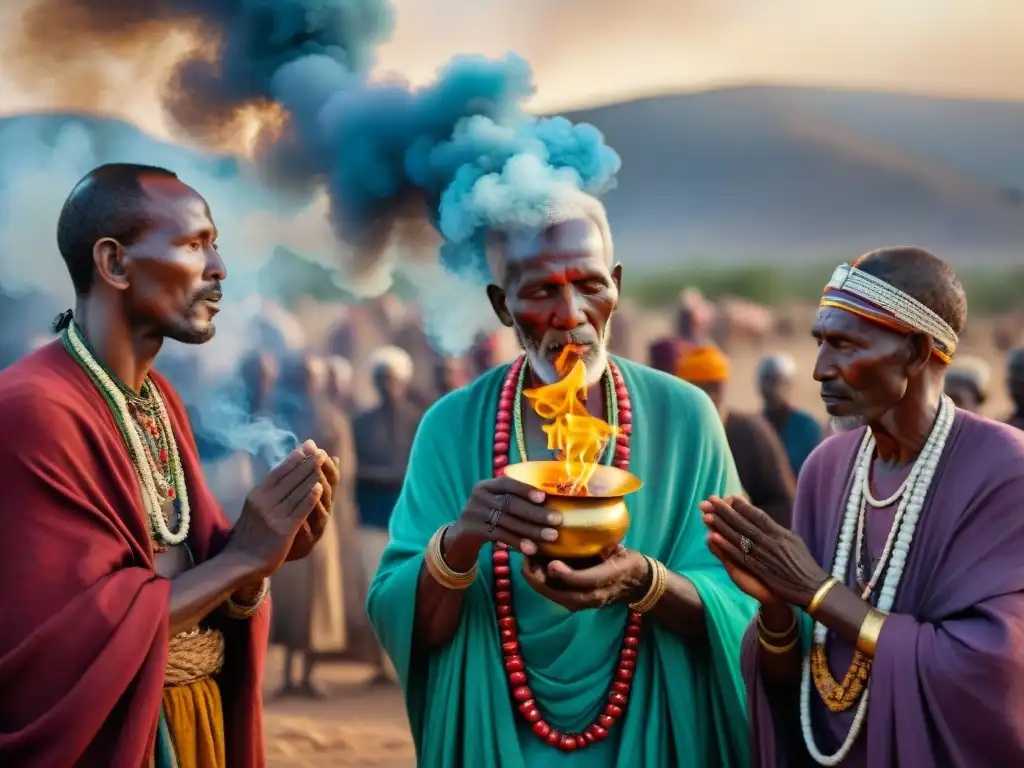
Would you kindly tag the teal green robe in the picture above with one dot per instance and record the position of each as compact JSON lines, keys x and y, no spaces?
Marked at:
{"x":687,"y":705}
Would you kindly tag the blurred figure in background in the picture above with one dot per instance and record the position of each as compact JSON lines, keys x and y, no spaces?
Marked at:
{"x":341,"y":337}
{"x":968,"y":380}
{"x":799,"y":432}
{"x":621,"y":335}
{"x":383,"y":438}
{"x":692,"y":326}
{"x":341,"y":384}
{"x":663,"y":355}
{"x":760,"y":458}
{"x":484,"y":355}
{"x":259,"y":372}
{"x":318,"y":602}
{"x":450,"y":373}
{"x":230,"y":473}
{"x":1015,"y":384}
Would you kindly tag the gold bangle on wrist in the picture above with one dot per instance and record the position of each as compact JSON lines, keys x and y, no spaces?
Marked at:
{"x":440,"y":571}
{"x":819,"y":596}
{"x":659,"y":584}
{"x":243,"y":611}
{"x":870,"y":629}
{"x":778,"y":650}
{"x":763,"y":631}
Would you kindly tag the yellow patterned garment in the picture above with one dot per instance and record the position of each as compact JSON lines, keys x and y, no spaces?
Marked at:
{"x":195,"y":719}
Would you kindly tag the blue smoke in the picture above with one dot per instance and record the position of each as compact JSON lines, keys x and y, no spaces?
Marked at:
{"x":461,"y":152}
{"x":468,"y":149}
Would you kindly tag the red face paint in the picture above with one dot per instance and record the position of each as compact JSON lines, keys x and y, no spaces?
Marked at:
{"x":560,"y":290}
{"x":862,"y":366}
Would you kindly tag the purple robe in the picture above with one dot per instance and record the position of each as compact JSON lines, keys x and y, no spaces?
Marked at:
{"x":947,"y":682}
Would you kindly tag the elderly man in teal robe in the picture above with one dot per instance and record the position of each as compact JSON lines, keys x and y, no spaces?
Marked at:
{"x":508,"y":661}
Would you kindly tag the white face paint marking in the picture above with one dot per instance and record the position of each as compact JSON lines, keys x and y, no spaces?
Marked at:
{"x":576,"y":236}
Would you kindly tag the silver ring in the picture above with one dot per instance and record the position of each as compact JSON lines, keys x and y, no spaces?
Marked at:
{"x":492,"y":521}
{"x":503,"y":501}
{"x":746,"y":545}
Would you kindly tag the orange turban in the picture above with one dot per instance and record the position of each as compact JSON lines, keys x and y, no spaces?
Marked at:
{"x":703,"y":364}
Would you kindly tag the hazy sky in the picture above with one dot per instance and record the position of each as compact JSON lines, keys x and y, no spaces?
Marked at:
{"x":591,"y":51}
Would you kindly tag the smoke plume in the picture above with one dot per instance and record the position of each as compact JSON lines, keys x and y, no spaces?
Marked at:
{"x":460,"y":154}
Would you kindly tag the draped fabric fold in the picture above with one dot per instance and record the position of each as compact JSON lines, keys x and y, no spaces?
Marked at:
{"x":947,"y":681}
{"x":687,"y":703}
{"x":84,"y":636}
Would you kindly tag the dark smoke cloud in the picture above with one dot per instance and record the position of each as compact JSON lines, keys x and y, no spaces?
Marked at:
{"x":461,"y":153}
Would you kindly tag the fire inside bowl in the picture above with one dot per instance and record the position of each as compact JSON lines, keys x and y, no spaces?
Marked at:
{"x":592,"y":524}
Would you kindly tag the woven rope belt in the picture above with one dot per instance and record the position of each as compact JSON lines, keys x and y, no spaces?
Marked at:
{"x":194,"y":656}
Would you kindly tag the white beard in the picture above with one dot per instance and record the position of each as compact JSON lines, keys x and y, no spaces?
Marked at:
{"x":545,"y":369}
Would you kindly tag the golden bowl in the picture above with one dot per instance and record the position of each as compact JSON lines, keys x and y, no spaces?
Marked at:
{"x":592,"y":525}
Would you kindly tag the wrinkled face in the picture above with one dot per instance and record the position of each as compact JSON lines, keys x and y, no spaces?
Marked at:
{"x":559,"y":293}
{"x":862,"y":367}
{"x":173,"y":273}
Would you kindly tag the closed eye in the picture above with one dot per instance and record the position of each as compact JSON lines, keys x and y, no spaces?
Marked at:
{"x":591,"y":286}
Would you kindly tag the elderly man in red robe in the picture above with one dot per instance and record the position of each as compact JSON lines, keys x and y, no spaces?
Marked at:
{"x":134,"y":622}
{"x":902,"y":580}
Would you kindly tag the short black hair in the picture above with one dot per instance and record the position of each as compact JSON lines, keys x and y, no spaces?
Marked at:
{"x":923,"y":276}
{"x":108,"y":202}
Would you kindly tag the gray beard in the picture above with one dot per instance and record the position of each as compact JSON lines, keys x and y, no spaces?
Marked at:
{"x":847,"y":423}
{"x":545,"y":370}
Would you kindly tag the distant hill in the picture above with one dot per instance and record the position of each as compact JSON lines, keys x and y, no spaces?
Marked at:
{"x":743,"y":175}
{"x":804,"y":175}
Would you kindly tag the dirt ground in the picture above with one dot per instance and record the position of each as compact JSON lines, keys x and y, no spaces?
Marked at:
{"x":355,"y":725}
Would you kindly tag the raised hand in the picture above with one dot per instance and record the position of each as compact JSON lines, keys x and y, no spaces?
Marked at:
{"x":765,"y":560}
{"x":506,"y":510}
{"x":276,"y":509}
{"x":311,"y":531}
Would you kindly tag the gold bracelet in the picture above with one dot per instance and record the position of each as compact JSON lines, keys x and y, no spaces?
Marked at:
{"x":659,"y":584}
{"x":870,"y":629}
{"x":440,"y":571}
{"x":778,"y":650}
{"x":242,"y":611}
{"x":819,"y":596}
{"x":771,"y":635}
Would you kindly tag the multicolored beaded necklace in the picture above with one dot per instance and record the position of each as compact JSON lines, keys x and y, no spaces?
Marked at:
{"x":146,"y":430}
{"x":509,"y":421}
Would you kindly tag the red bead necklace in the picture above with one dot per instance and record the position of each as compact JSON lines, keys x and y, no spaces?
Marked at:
{"x":522,"y":696}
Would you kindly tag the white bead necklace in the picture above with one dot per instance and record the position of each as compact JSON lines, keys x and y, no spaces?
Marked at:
{"x":897,"y":546}
{"x":869,"y":497}
{"x":146,"y":473}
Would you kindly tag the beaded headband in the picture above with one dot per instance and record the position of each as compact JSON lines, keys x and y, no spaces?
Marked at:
{"x":869,"y":297}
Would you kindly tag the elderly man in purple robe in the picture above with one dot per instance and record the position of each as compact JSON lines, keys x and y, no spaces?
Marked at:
{"x":903,"y":579}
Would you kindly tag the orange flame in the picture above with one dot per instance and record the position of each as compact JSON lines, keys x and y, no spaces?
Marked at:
{"x":577,"y":437}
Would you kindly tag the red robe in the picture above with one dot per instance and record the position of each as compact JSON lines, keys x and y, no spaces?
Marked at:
{"x":84,"y":617}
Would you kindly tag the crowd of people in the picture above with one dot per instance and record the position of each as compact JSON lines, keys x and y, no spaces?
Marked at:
{"x":299,"y":388}
{"x":320,"y":614}
{"x":775,"y":572}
